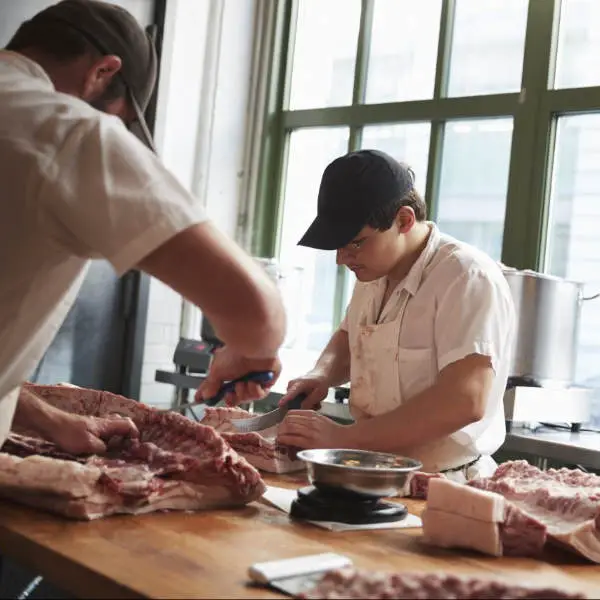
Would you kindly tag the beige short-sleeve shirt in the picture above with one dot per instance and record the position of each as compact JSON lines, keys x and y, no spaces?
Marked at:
{"x":76,"y":185}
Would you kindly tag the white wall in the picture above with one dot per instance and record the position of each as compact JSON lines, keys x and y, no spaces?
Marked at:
{"x":200,"y":134}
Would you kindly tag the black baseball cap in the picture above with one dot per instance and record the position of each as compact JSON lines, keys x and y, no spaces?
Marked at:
{"x":353,"y":186}
{"x":113,"y":30}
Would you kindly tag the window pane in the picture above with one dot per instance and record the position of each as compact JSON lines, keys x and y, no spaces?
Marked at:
{"x":573,"y":249}
{"x":348,"y":289}
{"x":474,"y":181}
{"x":578,"y":44}
{"x":407,"y":143}
{"x":311,"y":150}
{"x":324,"y":53}
{"x":403,"y":52}
{"x":487,"y":47}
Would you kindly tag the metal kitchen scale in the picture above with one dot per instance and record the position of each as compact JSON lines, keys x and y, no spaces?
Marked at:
{"x":342,"y":506}
{"x":350,"y":486}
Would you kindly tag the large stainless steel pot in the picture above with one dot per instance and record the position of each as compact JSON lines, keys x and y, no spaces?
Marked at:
{"x":548,"y":312}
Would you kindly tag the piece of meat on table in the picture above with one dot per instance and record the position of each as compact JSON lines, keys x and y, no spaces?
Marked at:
{"x":522,"y":507}
{"x":175,"y":465}
{"x":473,"y":503}
{"x":259,"y":448}
{"x":565,"y":502}
{"x":371,"y":585}
{"x":451,"y":530}
{"x":418,"y":484}
{"x":220,"y":417}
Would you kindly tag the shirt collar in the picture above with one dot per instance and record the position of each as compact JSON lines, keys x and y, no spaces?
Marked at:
{"x":25,"y":65}
{"x":413,"y":280}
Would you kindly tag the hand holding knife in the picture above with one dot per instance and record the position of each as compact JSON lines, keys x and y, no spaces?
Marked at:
{"x":257,"y":423}
{"x":262,"y":378}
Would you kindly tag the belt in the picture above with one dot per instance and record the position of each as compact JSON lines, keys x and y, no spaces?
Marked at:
{"x":465,"y":466}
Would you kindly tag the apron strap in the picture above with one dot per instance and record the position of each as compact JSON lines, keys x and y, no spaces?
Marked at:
{"x":462,"y":467}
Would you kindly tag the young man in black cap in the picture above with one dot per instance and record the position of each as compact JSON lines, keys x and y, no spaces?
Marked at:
{"x":427,"y":337}
{"x":76,"y":184}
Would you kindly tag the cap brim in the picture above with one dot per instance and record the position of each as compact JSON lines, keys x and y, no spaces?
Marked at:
{"x":326,"y":234}
{"x":140,"y":128}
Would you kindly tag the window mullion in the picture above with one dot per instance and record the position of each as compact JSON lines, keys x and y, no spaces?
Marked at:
{"x":272,"y":161}
{"x":526,"y":195}
{"x":442,"y":70}
{"x":436,"y":138}
{"x":363,"y":48}
{"x":354,"y":142}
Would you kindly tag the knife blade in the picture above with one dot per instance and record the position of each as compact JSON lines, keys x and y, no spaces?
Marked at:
{"x":269,"y":419}
{"x":293,"y":576}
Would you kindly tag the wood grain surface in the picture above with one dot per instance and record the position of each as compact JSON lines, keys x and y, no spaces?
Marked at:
{"x":207,"y":554}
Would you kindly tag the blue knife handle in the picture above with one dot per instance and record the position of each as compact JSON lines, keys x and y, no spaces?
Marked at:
{"x":295,"y":403}
{"x":260,"y":377}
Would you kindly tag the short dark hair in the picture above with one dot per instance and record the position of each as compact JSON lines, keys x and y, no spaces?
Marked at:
{"x":383,"y":217}
{"x":62,"y":43}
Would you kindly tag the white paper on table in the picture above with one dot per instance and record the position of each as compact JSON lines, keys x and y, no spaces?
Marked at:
{"x":282,"y":499}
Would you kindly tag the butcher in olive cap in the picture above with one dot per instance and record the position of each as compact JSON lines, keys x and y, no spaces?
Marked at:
{"x":75,"y":81}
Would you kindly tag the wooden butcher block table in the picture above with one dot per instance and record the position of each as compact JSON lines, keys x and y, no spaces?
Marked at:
{"x":206,"y":555}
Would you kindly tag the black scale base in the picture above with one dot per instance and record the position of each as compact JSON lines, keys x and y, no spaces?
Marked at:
{"x":344,"y":507}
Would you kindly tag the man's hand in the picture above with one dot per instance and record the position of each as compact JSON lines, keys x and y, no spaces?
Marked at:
{"x":87,"y":435}
{"x":308,"y":429}
{"x":314,"y":384}
{"x":227,"y":366}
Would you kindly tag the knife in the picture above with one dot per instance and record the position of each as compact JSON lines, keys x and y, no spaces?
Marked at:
{"x":269,"y":419}
{"x":260,"y":377}
{"x":293,"y":576}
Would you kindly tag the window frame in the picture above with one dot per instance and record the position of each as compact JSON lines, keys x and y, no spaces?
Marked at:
{"x":535,"y":111}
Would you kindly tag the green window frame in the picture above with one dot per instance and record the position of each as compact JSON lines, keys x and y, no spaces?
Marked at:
{"x":535,"y":112}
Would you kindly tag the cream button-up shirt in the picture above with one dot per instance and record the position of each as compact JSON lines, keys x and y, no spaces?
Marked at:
{"x":454,"y":302}
{"x":75,"y":185}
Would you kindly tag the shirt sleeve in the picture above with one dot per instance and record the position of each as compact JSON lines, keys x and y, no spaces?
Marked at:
{"x":475,"y":316}
{"x":106,"y":195}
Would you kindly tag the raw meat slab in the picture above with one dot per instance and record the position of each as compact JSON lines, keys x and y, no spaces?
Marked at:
{"x":352,"y":583}
{"x":259,"y":448}
{"x":565,"y":502}
{"x":175,"y":465}
{"x":517,"y":511}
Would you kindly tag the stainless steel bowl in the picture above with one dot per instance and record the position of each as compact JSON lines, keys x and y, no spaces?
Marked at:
{"x":370,"y":474}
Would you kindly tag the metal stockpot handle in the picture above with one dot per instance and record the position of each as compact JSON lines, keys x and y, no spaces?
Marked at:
{"x":584,"y":298}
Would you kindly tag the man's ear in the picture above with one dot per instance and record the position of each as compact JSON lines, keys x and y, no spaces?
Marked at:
{"x":405,"y":219}
{"x":99,"y":76}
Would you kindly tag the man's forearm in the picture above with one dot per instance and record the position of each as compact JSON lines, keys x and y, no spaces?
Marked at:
{"x":429,"y":416}
{"x":34,"y":413}
{"x":458,"y":398}
{"x":334,"y":362}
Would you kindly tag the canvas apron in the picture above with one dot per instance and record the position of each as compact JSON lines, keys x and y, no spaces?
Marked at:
{"x":380,"y":370}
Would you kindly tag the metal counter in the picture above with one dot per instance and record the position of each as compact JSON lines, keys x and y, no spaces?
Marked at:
{"x":572,"y":448}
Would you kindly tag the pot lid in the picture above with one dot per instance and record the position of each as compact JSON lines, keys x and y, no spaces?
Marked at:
{"x":537,"y":275}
